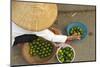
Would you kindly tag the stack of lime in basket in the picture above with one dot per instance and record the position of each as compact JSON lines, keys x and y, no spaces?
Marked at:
{"x":41,"y":48}
{"x":65,"y":54}
{"x":76,"y":29}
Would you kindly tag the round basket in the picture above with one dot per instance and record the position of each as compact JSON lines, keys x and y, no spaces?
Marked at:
{"x":35,"y":59}
{"x":79,"y":24}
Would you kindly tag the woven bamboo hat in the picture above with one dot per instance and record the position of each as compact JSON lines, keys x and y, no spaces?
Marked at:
{"x":33,"y":16}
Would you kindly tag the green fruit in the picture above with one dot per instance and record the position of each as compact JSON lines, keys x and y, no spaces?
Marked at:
{"x":44,"y":49}
{"x":76,"y":29}
{"x":38,"y":39}
{"x":80,"y":29}
{"x":71,"y":32}
{"x":43,"y":43}
{"x":78,"y":33}
{"x":37,"y":51}
{"x":32,"y":47}
{"x":42,"y":56}
{"x":43,"y":52}
{"x":51,"y":47}
{"x":40,"y":45}
{"x":35,"y":46}
{"x":48,"y":54}
{"x":47,"y":51}
{"x":33,"y":50}
{"x":60,"y":50}
{"x":37,"y":42}
{"x":65,"y":54}
{"x":38,"y":48}
{"x":48,"y":45}
{"x":33,"y":43}
{"x":62,"y":59}
{"x":41,"y":48}
{"x":45,"y":55}
{"x":68,"y":60}
{"x":69,"y":55}
{"x":47,"y":48}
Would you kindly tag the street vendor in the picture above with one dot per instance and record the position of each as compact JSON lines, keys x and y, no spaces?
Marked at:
{"x":37,"y":18}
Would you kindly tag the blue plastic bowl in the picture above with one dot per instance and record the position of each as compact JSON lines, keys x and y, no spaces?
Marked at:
{"x":79,"y":24}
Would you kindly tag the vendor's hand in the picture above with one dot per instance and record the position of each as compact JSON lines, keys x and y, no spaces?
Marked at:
{"x":75,"y":36}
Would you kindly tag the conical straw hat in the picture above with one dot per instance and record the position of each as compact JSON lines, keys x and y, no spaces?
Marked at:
{"x":33,"y":16}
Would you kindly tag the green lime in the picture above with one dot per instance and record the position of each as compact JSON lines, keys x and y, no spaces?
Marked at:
{"x":41,"y":56}
{"x":44,"y":49}
{"x":65,"y":54}
{"x":37,"y":51}
{"x":45,"y":55}
{"x":48,"y":54}
{"x":62,"y":59}
{"x":47,"y":47}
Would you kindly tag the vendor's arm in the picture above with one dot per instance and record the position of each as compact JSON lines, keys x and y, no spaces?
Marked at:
{"x":63,"y":38}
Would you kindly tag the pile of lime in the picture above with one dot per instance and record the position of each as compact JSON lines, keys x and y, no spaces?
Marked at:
{"x":65,"y":55}
{"x":76,"y":29}
{"x":41,"y":48}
